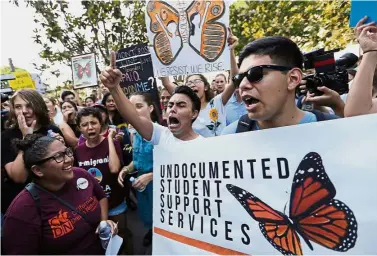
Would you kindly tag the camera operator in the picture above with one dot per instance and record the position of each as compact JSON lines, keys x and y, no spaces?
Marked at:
{"x":362,"y":98}
{"x":330,"y":101}
{"x":270,"y":71}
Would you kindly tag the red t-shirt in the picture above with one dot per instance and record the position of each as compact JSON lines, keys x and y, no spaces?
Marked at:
{"x":58,"y":230}
{"x":96,"y":162}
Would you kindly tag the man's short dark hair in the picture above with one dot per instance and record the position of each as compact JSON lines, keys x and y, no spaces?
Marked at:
{"x":281,"y":50}
{"x":196,"y":105}
{"x":66,"y":93}
{"x":89,"y":111}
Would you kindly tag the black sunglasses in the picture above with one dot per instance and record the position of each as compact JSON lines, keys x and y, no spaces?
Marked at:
{"x":58,"y":157}
{"x":255,"y":74}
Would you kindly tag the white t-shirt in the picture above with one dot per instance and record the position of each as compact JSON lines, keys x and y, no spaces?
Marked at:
{"x":211,"y":120}
{"x":163,"y":136}
{"x":58,"y":118}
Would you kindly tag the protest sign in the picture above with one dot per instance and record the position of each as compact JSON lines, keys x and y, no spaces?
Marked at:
{"x":269,"y":192}
{"x":23,"y":81}
{"x":84,"y":72}
{"x":360,"y":9}
{"x":188,"y":36}
{"x":136,"y":66}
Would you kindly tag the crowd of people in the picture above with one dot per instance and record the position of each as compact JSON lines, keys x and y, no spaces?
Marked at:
{"x":59,"y":152}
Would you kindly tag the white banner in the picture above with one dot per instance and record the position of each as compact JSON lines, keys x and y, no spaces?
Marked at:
{"x":188,"y":37}
{"x":305,"y":189}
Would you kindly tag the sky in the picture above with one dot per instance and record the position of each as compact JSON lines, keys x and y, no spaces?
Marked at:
{"x":17,"y":25}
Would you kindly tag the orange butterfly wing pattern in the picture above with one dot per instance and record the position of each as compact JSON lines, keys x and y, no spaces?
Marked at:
{"x":314,"y":213}
{"x":322,"y":219}
{"x":333,"y":226}
{"x":165,"y":24}
{"x":202,"y":17}
{"x":274,"y":225}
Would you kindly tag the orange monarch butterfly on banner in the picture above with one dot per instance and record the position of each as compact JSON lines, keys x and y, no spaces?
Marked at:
{"x":314,"y":214}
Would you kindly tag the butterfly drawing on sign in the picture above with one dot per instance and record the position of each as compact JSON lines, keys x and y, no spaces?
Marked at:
{"x":207,"y":37}
{"x":165,"y":23}
{"x":314,"y":214}
{"x":80,"y":70}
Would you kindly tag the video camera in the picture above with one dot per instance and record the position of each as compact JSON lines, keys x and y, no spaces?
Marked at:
{"x":328,"y":72}
{"x":4,"y":97}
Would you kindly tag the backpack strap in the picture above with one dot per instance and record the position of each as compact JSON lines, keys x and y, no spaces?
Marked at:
{"x":35,"y":195}
{"x":245,"y":124}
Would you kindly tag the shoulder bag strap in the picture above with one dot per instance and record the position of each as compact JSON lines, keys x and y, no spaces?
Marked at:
{"x":64,"y":203}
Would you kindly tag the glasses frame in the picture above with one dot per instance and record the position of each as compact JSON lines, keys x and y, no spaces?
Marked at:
{"x":195,"y":82}
{"x":237,"y":79}
{"x":67,"y":152}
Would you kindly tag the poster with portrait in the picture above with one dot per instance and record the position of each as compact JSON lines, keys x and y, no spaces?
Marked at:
{"x":269,"y":192}
{"x":84,"y":72}
{"x":188,"y":36}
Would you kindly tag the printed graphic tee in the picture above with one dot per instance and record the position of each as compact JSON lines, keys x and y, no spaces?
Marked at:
{"x":58,"y":230}
{"x":212,"y":119}
{"x":96,"y":162}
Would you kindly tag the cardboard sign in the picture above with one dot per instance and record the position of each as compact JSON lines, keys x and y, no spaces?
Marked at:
{"x":84,"y":72}
{"x":188,"y":37}
{"x":269,"y":191}
{"x":23,"y":81}
{"x":135,"y":63}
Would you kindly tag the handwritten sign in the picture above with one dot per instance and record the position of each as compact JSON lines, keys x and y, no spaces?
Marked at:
{"x":270,"y":194}
{"x":135,"y":63}
{"x":23,"y":81}
{"x":188,"y":37}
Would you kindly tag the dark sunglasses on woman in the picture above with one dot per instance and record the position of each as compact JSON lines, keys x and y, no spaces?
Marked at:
{"x":255,"y":74}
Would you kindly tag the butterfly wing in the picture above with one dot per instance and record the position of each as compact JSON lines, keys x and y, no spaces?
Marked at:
{"x":88,"y":68}
{"x":161,"y":15}
{"x":311,"y":187}
{"x":213,"y":34}
{"x":79,"y":70}
{"x":274,"y":225}
{"x":321,"y":218}
{"x":333,"y":226}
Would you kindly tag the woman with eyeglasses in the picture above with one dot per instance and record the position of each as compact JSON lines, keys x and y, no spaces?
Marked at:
{"x":212,"y":116}
{"x":28,"y":115}
{"x":60,"y":212}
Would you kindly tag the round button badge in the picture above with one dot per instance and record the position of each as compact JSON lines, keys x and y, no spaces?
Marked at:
{"x":82,"y":183}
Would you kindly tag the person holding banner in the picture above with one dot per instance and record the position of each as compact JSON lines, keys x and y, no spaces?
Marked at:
{"x":270,"y":71}
{"x":362,"y":97}
{"x":183,"y":109}
{"x":212,"y":116}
